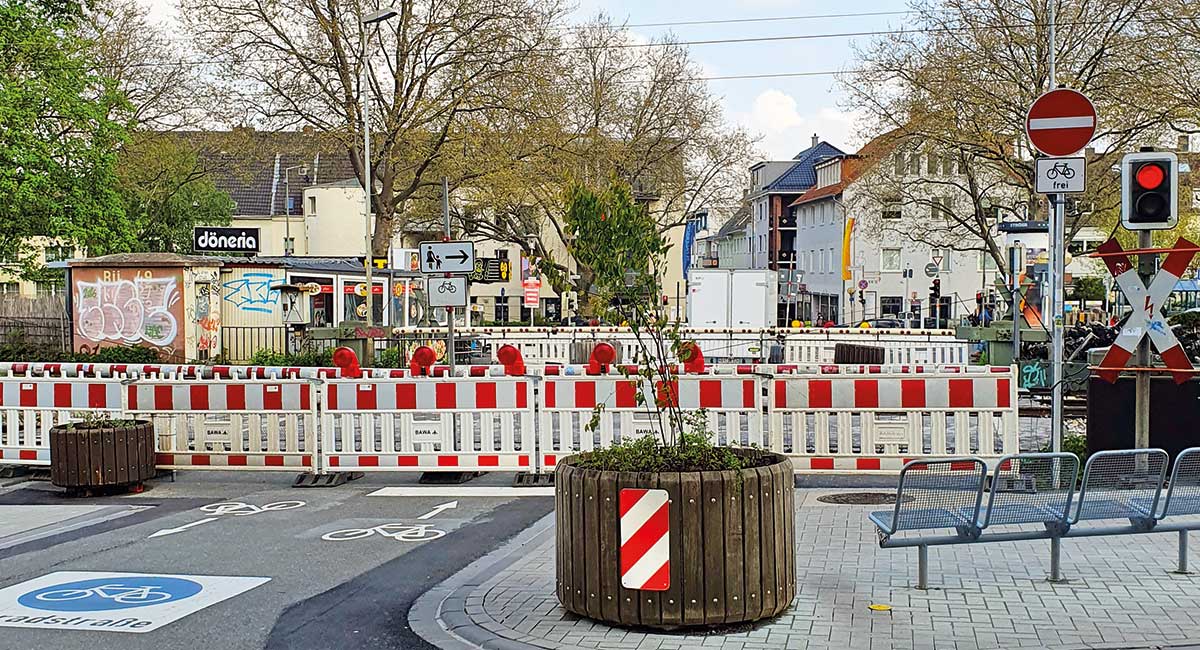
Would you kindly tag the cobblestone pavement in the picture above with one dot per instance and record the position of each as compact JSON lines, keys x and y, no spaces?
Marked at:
{"x":1120,"y":594}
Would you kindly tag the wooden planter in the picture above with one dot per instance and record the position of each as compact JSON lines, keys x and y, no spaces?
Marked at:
{"x":732,"y":545}
{"x":101,"y":456}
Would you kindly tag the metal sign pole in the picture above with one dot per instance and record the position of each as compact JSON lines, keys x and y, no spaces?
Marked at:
{"x":1057,"y":275}
{"x":450,"y":349}
{"x":1141,"y":387}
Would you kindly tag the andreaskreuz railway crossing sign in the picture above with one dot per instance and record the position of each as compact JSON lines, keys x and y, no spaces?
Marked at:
{"x":447,"y":256}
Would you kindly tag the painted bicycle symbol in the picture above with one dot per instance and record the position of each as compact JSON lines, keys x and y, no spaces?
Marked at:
{"x":402,"y":532}
{"x":239,"y":509}
{"x":99,"y":594}
{"x":115,"y":592}
{"x":1060,"y":169}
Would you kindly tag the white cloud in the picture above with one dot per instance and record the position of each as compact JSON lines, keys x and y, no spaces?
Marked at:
{"x":785,"y":130}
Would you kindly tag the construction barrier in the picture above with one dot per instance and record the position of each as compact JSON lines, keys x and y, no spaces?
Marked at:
{"x":29,"y":408}
{"x":249,"y":424}
{"x":459,"y":423}
{"x":567,"y":408}
{"x":847,"y":422}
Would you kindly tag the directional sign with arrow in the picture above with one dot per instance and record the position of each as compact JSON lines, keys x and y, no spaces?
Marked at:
{"x":447,"y":256}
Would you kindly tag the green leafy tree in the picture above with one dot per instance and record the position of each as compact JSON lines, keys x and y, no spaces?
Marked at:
{"x":58,"y":139}
{"x":167,"y":191}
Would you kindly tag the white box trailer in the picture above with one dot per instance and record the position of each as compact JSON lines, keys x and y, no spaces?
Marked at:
{"x":732,"y":299}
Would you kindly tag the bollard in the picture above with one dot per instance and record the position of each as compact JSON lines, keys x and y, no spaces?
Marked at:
{"x":602,"y":356}
{"x":422,"y":358}
{"x":345,"y":359}
{"x":510,"y":357}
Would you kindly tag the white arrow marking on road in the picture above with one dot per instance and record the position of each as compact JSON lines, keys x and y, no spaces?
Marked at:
{"x":438,"y":509}
{"x":180,"y":529}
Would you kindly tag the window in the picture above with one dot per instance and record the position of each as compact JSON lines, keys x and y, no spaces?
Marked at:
{"x":312,"y":205}
{"x":832,"y":260}
{"x":889,"y":260}
{"x":939,"y":208}
{"x":501,"y":310}
{"x":914,"y":163}
{"x":933,"y":167}
{"x":891,"y":305}
{"x":986,"y":262}
{"x":892,"y":209}
{"x":502,"y":254}
{"x":941,"y":254}
{"x":49,"y":288}
{"x":10,"y":288}
{"x":58,"y":253}
{"x":900,"y":163}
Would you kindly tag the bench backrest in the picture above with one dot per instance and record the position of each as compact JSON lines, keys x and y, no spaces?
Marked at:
{"x":942,"y":493}
{"x":1032,"y":489}
{"x":1183,"y":496}
{"x":1123,"y":484}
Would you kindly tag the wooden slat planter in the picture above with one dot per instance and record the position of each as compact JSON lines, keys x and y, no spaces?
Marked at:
{"x":732,"y":545}
{"x":106,"y":456}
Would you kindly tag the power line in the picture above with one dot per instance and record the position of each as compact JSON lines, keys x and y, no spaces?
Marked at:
{"x":721,"y":41}
{"x":772,"y":19}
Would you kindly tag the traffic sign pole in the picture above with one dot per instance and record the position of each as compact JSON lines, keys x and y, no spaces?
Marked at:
{"x":1141,"y":380}
{"x":450,"y":351}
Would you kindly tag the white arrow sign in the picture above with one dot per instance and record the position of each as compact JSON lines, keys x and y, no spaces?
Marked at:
{"x":447,"y":256}
{"x":180,"y":529}
{"x":438,"y":510}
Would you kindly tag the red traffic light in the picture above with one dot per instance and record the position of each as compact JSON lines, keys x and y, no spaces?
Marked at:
{"x":1150,"y":176}
{"x":937,"y":282}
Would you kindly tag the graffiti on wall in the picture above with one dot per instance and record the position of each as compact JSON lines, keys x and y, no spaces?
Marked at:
{"x":253,"y":292}
{"x":128,"y":307}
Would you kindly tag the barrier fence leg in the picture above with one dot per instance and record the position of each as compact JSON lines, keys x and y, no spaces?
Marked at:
{"x":922,"y":567}
{"x":1055,"y":560}
{"x":1183,"y":552}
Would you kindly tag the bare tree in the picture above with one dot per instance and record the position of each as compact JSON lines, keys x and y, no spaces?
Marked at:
{"x":635,"y":112}
{"x":444,"y":75}
{"x":959,"y":82}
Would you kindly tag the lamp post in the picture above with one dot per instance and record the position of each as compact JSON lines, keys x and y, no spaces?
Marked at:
{"x":289,"y":248}
{"x":373,"y":18}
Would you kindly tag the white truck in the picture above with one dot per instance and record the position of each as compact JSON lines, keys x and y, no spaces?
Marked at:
{"x":732,"y":298}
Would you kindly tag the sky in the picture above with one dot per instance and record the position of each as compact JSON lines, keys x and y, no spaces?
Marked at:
{"x":784,"y":112}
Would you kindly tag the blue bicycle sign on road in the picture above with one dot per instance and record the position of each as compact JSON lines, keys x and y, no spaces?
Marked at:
{"x":117,"y":592}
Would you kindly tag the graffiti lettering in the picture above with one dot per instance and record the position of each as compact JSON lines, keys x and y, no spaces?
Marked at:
{"x":253,"y":292}
{"x":129,"y":311}
{"x":1033,"y":375}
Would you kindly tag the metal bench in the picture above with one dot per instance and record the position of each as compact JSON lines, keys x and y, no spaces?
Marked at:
{"x":1039,"y":489}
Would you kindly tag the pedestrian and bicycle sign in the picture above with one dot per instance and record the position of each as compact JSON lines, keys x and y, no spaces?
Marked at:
{"x":1060,"y":175}
{"x":114,"y":602}
{"x":1061,"y":122}
{"x":447,"y":256}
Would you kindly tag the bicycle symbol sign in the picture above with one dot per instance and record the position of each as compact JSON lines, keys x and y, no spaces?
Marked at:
{"x":101,"y":594}
{"x":1065,"y":175}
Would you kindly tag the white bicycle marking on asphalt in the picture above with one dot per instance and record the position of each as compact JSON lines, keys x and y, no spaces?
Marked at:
{"x":240,"y":509}
{"x":397,"y":531}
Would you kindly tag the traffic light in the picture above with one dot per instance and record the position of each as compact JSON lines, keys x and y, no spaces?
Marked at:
{"x":979,"y":298}
{"x":1149,"y":191}
{"x":935,"y":289}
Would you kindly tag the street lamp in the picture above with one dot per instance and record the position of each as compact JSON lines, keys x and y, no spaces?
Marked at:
{"x":289,"y":248}
{"x":373,"y":18}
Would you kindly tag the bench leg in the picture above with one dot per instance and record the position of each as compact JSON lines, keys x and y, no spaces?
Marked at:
{"x":1055,"y":560}
{"x":1183,"y":553}
{"x":922,"y":567}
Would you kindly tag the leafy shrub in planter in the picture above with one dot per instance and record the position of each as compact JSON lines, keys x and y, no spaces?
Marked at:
{"x":306,"y":359}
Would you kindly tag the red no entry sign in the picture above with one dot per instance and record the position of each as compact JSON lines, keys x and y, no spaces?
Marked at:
{"x":1061,"y":122}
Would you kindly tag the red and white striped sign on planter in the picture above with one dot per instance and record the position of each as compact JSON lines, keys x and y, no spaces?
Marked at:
{"x":645,"y":539}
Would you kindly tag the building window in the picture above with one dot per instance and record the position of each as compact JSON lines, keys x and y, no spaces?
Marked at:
{"x":891,"y":305}
{"x":890,"y":260}
{"x":49,"y":288}
{"x":502,"y":254}
{"x":941,"y":257}
{"x":312,"y":205}
{"x":939,"y":208}
{"x":899,"y":163}
{"x":914,"y":163}
{"x":502,"y":310}
{"x":10,"y":288}
{"x":986,"y":262}
{"x":892,"y":209}
{"x":832,"y":260}
{"x":58,"y":253}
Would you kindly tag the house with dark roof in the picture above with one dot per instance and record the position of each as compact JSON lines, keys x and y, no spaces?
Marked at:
{"x":773,"y":186}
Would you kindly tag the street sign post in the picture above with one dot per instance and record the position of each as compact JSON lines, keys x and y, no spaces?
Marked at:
{"x":1061,"y":122}
{"x":1066,"y":175}
{"x":447,"y":256}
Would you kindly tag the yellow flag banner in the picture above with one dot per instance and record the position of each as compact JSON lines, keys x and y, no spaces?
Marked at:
{"x":846,"y":275}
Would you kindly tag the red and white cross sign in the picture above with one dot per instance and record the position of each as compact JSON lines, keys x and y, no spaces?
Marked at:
{"x":1061,"y":122}
{"x":1147,"y":318}
{"x":645,"y":539}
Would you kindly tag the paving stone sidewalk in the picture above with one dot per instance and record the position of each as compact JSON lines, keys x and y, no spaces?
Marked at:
{"x":1120,"y":594}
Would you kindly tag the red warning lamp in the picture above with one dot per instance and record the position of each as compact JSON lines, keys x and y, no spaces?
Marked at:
{"x":1150,"y":176}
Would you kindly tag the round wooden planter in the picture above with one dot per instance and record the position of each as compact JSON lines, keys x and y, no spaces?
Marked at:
{"x":732,"y":545}
{"x":101,"y":456}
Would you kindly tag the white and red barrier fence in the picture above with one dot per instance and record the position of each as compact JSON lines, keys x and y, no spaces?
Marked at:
{"x":846,"y":418}
{"x":427,"y":424}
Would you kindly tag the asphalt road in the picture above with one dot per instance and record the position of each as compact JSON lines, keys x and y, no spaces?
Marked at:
{"x":320,"y":593}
